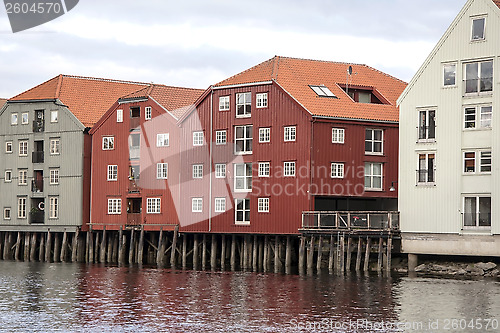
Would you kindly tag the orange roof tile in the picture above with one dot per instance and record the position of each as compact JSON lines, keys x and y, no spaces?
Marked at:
{"x":87,"y":98}
{"x":295,"y":75}
{"x":2,"y":102}
{"x":497,"y":2}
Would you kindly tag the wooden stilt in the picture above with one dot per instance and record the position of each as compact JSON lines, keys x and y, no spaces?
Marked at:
{"x":121,"y":246}
{"x":254,"y":253}
{"x":184,"y":251}
{"x":213,"y":252}
{"x":6,"y":246}
{"x":57,"y":247}
{"x":223,"y":253}
{"x":277,"y":263}
{"x":102,"y":246}
{"x":111,"y":243}
{"x":288,"y":255}
{"x":204,"y":252}
{"x":41,"y":249}
{"x":331,"y":256}
{"x":349,"y":253}
{"x":64,"y":246}
{"x":17,"y":246}
{"x":87,"y":247}
{"x":26,"y":246}
{"x":310,"y":254}
{"x":266,"y":253}
{"x":91,"y":247}
{"x":232,"y":261}
{"x":380,"y":253}
{"x":389,"y":254}
{"x":245,"y":252}
{"x":302,"y":249}
{"x":260,"y":264}
{"x":131,"y":247}
{"x":80,"y":248}
{"x":33,"y":246}
{"x":195,"y":252}
{"x":342,"y":253}
{"x":320,"y":254}
{"x":158,"y":249}
{"x":367,"y":254}
{"x":96,"y":247}
{"x":74,"y":246}
{"x":174,"y":247}
{"x":48,"y":249}
{"x":358,"y":254}
{"x":140,"y":249}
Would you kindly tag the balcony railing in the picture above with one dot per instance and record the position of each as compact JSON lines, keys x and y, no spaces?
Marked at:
{"x":38,"y":126}
{"x":133,"y":187}
{"x":427,"y":132}
{"x":133,"y":218}
{"x":37,"y":157}
{"x":37,"y":216}
{"x":37,"y":185}
{"x":373,"y":221}
{"x":425,"y":176}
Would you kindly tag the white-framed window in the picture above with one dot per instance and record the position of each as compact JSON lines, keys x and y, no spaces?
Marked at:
{"x":119,"y":116}
{"x":338,"y":135}
{"x":264,"y":169}
{"x":243,"y":177}
{"x":220,"y":205}
{"x":374,"y":141}
{"x":478,"y":77}
{"x":8,"y":176}
{"x":6,"y":213}
{"x":322,"y":91}
{"x":162,"y":140}
{"x":220,"y":170}
{"x":25,"y":118}
{"x":244,"y":105}
{"x":147,"y":113}
{"x":477,"y":161}
{"x":54,"y":116}
{"x":8,"y":147}
{"x":55,"y":146}
{"x":23,"y":147}
{"x":264,"y":134}
{"x":477,"y":211}
{"x":242,"y":211}
{"x":290,"y":133}
{"x":198,"y":138}
{"x":53,"y":207}
{"x":224,"y":103}
{"x":108,"y":142}
{"x":427,"y":125}
{"x":22,"y":177}
{"x":21,"y":207}
{"x":261,"y":100}
{"x":337,"y":170}
{"x":426,"y":172}
{"x":220,"y":137}
{"x":478,"y":27}
{"x":373,"y":176}
{"x":161,"y":170}
{"x":485,"y":161}
{"x":197,"y":171}
{"x":469,"y":161}
{"x":243,"y":139}
{"x":477,"y":116}
{"x":54,"y":176}
{"x":196,"y":205}
{"x":263,"y":205}
{"x":289,"y":169}
{"x":14,"y":118}
{"x":112,"y":172}
{"x":153,"y":205}
{"x":449,"y":75}
{"x":114,"y":206}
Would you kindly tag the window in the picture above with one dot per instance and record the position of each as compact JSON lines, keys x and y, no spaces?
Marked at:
{"x":147,"y":113}
{"x":224,"y":103}
{"x":242,"y":211}
{"x":54,"y":176}
{"x":162,"y":140}
{"x":112,"y":172}
{"x":13,"y":119}
{"x":197,"y":171}
{"x":244,"y":105}
{"x":197,"y":138}
{"x":243,"y":177}
{"x":24,"y":118}
{"x":289,"y":169}
{"x":261,"y":100}
{"x":220,"y":171}
{"x":479,"y":77}
{"x":264,"y":169}
{"x":290,"y":133}
{"x":54,"y":146}
{"x":23,"y":177}
{"x":8,"y":176}
{"x":243,"y":139}
{"x":426,"y":165}
{"x":478,"y":25}
{"x":21,"y":207}
{"x":153,"y":205}
{"x":469,"y":161}
{"x":196,"y":205}
{"x":8,"y":147}
{"x":263,"y":205}
{"x":373,"y":141}
{"x":477,"y":116}
{"x":23,"y":148}
{"x":477,"y":212}
{"x":337,"y":170}
{"x":54,"y":116}
{"x":322,"y":91}
{"x":53,"y":207}
{"x":220,"y":137}
{"x":449,"y":75}
{"x":264,"y":134}
{"x":338,"y":135}
{"x":483,"y":161}
{"x":114,"y":206}
{"x":161,"y":170}
{"x":373,"y":176}
{"x":119,"y":116}
{"x":6,"y":213}
{"x":220,"y":205}
{"x":108,"y":143}
{"x":427,"y":125}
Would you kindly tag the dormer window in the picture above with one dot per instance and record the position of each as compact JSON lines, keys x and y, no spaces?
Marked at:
{"x":322,"y":91}
{"x":478,"y":25}
{"x":363,"y":94}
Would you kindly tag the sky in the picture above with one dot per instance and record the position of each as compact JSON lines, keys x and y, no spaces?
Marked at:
{"x":201,"y":42}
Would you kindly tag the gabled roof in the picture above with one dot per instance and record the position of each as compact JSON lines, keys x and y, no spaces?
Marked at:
{"x":2,"y":102}
{"x":497,"y":2}
{"x":296,"y":75}
{"x":87,"y":98}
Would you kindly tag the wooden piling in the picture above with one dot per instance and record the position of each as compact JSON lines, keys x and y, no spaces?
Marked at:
{"x":358,"y":254}
{"x":310,"y":254}
{"x":57,"y":247}
{"x":367,"y":254}
{"x":74,"y":246}
{"x":102,"y":246}
{"x":96,"y":247}
{"x":288,"y":255}
{"x":389,"y":254}
{"x":174,"y":247}
{"x":245,"y":252}
{"x":112,"y":241}
{"x":232,"y":260}
{"x":331,"y":256}
{"x":140,"y":250}
{"x":64,"y":246}
{"x":254,"y":253}
{"x":131,"y":247}
{"x":5,"y":253}
{"x":342,"y":253}
{"x":276,"y":255}
{"x":184,"y":251}
{"x":320,"y":254}
{"x":33,"y":246}
{"x":223,"y":253}
{"x":17,"y":246}
{"x":302,"y":248}
{"x":26,"y":246}
{"x":380,"y":254}
{"x":48,"y":249}
{"x":266,"y":254}
{"x":121,"y":246}
{"x":349,"y":254}
{"x":41,"y":249}
{"x":260,"y":263}
{"x":204,"y":252}
{"x":195,"y":252}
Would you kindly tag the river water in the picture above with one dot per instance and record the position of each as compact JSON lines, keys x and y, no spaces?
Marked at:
{"x":66,"y":297}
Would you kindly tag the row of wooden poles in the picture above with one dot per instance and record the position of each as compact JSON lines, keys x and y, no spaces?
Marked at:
{"x":265,"y":253}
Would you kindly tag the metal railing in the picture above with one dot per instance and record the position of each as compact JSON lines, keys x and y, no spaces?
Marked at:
{"x":37,"y":185}
{"x":388,"y":220}
{"x":38,"y":126}
{"x":37,"y":157}
{"x":425,"y":175}
{"x":427,"y":132}
{"x":134,"y":218}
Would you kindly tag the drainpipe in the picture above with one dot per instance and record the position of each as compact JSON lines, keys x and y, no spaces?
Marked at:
{"x":210,"y":162}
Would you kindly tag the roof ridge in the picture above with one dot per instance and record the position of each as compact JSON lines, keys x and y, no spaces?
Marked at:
{"x":103,"y":79}
{"x":326,"y":61}
{"x":386,"y":74}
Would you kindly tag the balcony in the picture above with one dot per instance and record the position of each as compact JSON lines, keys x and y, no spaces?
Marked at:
{"x":135,"y":152}
{"x":135,"y":123}
{"x":37,"y":157}
{"x":37,"y":216}
{"x":37,"y":185}
{"x":133,"y":187}
{"x":38,"y":126}
{"x":133,"y":218}
{"x":351,"y":221}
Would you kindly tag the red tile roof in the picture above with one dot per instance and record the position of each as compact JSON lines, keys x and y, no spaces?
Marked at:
{"x":497,"y":2}
{"x":2,"y":102}
{"x":295,"y":76}
{"x":87,"y":98}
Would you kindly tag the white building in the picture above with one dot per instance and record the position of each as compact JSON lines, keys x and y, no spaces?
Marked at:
{"x":449,"y":145}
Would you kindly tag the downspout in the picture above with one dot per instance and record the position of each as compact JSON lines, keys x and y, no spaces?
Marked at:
{"x":311,"y":204}
{"x":210,"y":162}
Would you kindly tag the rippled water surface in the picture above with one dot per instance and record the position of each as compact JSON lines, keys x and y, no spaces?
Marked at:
{"x":44,"y":297}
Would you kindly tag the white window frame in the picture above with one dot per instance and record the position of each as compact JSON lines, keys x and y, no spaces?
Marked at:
{"x":337,"y":170}
{"x":264,"y":134}
{"x":246,"y":202}
{"x":148,"y":113}
{"x":479,"y":78}
{"x":479,"y":159}
{"x":477,"y":212}
{"x":322,"y":91}
{"x":479,"y":112}
{"x":425,"y":180}
{"x":196,"y":205}
{"x":25,"y":118}
{"x":108,"y":142}
{"x":8,"y":176}
{"x":23,"y":148}
{"x":14,"y":118}
{"x":261,"y":100}
{"x":114,"y":206}
{"x":264,"y":169}
{"x":153,"y":206}
{"x":54,"y":116}
{"x":246,"y":187}
{"x":423,"y":130}
{"x":54,"y":176}
{"x":263,"y":205}
{"x":476,"y":18}
{"x":162,"y":140}
{"x":53,"y":207}
{"x":372,"y":176}
{"x":373,"y":141}
{"x":338,"y":135}
{"x":5,"y":210}
{"x":289,"y":169}
{"x":245,"y":104}
{"x":220,"y":137}
{"x":220,"y":170}
{"x":290,"y":133}
{"x":119,"y":116}
{"x":112,"y":172}
{"x":9,"y":147}
{"x":23,"y":177}
{"x":22,"y":207}
{"x":246,"y":140}
{"x":162,"y":170}
{"x":224,"y":103}
{"x":55,"y":146}
{"x":198,"y":138}
{"x":220,"y":205}
{"x":197,"y":171}
{"x":449,"y":66}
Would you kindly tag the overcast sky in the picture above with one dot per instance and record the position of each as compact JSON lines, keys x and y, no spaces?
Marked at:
{"x":200,"y":42}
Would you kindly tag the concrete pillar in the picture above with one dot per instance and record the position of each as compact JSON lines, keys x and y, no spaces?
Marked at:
{"x":412,"y":262}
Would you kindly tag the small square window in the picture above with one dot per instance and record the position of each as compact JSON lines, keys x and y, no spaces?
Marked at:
{"x":197,"y":171}
{"x":220,"y":205}
{"x":23,"y":148}
{"x":108,"y":143}
{"x":244,"y":105}
{"x":289,"y":169}
{"x":261,"y":100}
{"x":338,"y":135}
{"x":119,"y":116}
{"x":449,"y":75}
{"x":337,"y":170}
{"x":264,"y":135}
{"x":224,"y":103}
{"x":6,"y":213}
{"x":14,"y":119}
{"x":220,"y":170}
{"x":263,"y":205}
{"x":114,"y":206}
{"x":197,"y":138}
{"x":147,"y":113}
{"x":54,"y":176}
{"x":8,"y":147}
{"x":161,"y":170}
{"x":55,"y":146}
{"x":8,"y":176}
{"x":162,"y":140}
{"x":54,"y":116}
{"x":112,"y":172}
{"x":220,"y":137}
{"x":264,"y":169}
{"x":24,"y":118}
{"x":290,"y":133}
{"x":153,"y":205}
{"x":196,"y":205}
{"x":478,"y":25}
{"x":53,"y":207}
